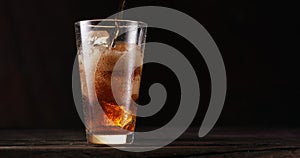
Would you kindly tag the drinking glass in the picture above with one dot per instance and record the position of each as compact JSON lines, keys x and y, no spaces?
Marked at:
{"x":110,"y":55}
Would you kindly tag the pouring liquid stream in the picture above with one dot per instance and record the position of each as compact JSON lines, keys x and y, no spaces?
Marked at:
{"x":116,"y":31}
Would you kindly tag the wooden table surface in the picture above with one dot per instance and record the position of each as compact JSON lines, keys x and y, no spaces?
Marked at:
{"x":229,"y":142}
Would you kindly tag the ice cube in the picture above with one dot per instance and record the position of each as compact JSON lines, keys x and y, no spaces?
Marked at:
{"x":127,"y":56}
{"x":98,"y":37}
{"x":116,"y":115}
{"x":92,"y":48}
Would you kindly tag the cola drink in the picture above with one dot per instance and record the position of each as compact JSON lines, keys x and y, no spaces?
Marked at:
{"x":110,"y":80}
{"x":114,"y":115}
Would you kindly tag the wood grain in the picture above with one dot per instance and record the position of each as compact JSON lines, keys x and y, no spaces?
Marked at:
{"x":219,"y":143}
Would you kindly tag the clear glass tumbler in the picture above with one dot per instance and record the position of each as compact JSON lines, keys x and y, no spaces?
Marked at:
{"x":110,"y":54}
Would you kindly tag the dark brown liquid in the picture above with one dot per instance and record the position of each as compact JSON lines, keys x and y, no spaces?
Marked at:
{"x":118,"y":16}
{"x":113,"y":115}
{"x":122,"y":6}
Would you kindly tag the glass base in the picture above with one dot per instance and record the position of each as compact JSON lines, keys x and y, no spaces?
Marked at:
{"x":110,"y":139}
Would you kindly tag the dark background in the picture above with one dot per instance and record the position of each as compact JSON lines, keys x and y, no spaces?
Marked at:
{"x":257,"y":40}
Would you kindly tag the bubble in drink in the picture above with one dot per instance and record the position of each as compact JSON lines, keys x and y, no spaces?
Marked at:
{"x":119,"y":107}
{"x":100,"y":70}
{"x":110,"y":54}
{"x":94,"y":43}
{"x":98,"y":37}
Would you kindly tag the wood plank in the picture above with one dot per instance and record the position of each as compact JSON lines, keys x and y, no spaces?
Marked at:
{"x":219,"y":143}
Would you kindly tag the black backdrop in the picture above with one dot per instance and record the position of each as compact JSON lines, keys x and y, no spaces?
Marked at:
{"x":257,"y":41}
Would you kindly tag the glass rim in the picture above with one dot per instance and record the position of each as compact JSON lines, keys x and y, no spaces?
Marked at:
{"x":139,"y":24}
